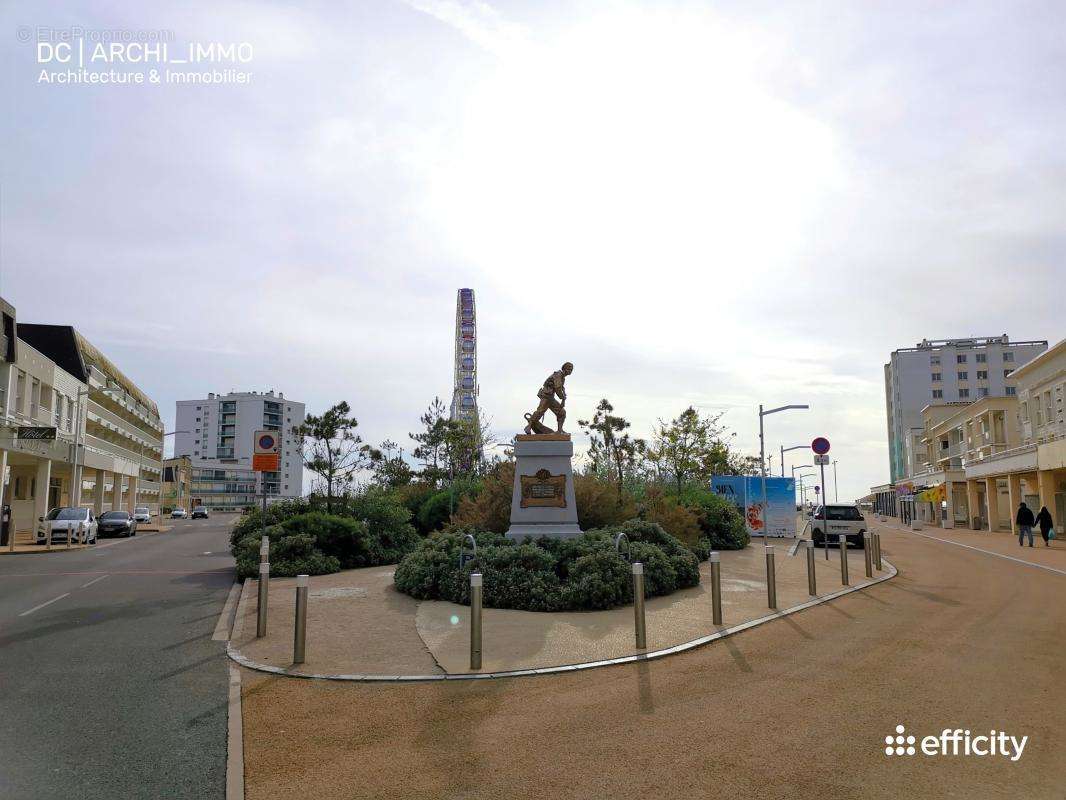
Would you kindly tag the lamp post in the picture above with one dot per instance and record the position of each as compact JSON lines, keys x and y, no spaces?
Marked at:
{"x":785,"y":450}
{"x":836,"y":496}
{"x":162,"y":458}
{"x":762,"y":455}
{"x":803,"y":488}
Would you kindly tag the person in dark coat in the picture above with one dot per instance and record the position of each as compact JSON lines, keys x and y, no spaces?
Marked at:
{"x":1025,"y":521}
{"x":1043,"y":519}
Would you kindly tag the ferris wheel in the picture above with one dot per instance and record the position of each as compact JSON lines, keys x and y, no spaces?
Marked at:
{"x":464,"y":395}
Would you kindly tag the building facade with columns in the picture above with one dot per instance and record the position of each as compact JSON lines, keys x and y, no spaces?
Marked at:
{"x":98,"y":437}
{"x":985,"y":458}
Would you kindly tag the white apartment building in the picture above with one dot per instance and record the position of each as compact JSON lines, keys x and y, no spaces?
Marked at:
{"x":216,"y":435}
{"x":945,"y":371}
{"x":74,"y":431}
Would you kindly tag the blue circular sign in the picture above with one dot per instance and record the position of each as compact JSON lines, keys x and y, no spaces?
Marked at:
{"x":267,"y":442}
{"x":820,"y":445}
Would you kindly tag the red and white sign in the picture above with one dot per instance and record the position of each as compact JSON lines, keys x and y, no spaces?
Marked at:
{"x":266,"y":453}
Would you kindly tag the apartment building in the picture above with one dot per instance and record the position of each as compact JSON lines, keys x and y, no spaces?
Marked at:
{"x":216,"y":435}
{"x":945,"y":371}
{"x":76,"y":431}
{"x":985,"y":457}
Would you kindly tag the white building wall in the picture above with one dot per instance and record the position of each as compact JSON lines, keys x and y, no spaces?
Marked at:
{"x":910,"y":386}
{"x":203,"y":419}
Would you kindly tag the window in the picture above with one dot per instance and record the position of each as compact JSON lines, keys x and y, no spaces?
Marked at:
{"x":982,"y":358}
{"x":35,"y":397}
{"x":982,"y":391}
{"x":3,"y":397}
{"x":20,"y":392}
{"x":1008,"y":356}
{"x":982,"y":374}
{"x":938,"y":394}
{"x":960,"y":359}
{"x":1007,"y":372}
{"x":964,"y":394}
{"x":964,"y":376}
{"x":1011,"y":391}
{"x":934,"y":361}
{"x":936,"y":376}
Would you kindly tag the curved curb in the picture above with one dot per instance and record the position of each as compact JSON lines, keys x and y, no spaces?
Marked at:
{"x":236,"y":656}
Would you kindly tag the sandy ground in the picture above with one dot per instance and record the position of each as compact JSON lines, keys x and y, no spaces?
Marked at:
{"x":359,"y":624}
{"x":797,"y":708}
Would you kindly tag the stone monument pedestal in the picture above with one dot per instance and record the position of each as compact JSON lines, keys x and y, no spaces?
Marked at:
{"x":542,"y":503}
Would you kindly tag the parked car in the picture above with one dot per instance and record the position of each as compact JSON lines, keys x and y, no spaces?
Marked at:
{"x":843,"y":521}
{"x":142,"y":514}
{"x":56,"y":524}
{"x":178,"y":513}
{"x":117,"y":523}
{"x":199,"y":513}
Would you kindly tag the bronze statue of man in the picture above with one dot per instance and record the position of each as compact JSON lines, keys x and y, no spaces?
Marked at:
{"x":553,"y":387}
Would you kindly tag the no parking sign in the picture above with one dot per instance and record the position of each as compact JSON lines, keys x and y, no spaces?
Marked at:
{"x":266,"y":454}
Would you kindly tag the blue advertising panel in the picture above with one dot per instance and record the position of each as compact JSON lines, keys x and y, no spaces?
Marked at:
{"x":745,"y":492}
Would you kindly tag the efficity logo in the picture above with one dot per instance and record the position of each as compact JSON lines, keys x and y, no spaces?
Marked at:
{"x":956,"y":742}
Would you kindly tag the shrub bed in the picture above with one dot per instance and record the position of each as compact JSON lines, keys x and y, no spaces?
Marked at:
{"x":548,"y":574}
{"x":374,"y":530}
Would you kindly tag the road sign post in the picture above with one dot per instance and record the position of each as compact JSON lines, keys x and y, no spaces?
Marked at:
{"x":820,"y":446}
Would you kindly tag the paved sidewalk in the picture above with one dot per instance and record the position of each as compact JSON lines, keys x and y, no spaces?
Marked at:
{"x":359,"y":624}
{"x":1000,"y":542}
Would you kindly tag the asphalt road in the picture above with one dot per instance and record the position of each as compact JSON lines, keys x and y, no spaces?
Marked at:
{"x":797,"y":708}
{"x":110,"y":683}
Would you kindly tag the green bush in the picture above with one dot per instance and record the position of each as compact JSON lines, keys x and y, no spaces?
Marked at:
{"x":547,"y":574}
{"x":391,"y":534}
{"x":346,"y":539}
{"x":290,"y":555}
{"x":720,"y":522}
{"x":252,"y":522}
{"x":436,"y":511}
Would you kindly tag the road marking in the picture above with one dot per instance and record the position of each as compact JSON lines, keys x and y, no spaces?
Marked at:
{"x":42,"y":605}
{"x":225,"y":619}
{"x":94,"y":580}
{"x":980,"y":550}
{"x":117,"y":572}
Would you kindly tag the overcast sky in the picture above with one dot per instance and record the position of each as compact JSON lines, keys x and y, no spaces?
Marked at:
{"x":716,"y":204}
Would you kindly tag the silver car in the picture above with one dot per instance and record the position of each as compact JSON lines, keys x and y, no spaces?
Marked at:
{"x":81,"y":522}
{"x":142,"y":514}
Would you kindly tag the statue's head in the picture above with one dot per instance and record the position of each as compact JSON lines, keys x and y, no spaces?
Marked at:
{"x":568,"y":368}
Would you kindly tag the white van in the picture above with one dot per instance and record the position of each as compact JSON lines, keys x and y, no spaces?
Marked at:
{"x":844,"y":520}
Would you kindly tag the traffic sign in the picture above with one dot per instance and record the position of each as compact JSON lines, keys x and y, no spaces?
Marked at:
{"x":266,"y":452}
{"x":821,"y":460}
{"x":820,"y":445}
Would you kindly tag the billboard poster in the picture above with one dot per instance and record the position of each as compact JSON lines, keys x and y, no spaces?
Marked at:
{"x":745,"y":492}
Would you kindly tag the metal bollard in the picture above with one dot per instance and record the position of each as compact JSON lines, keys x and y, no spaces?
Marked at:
{"x":264,"y":587}
{"x":47,"y":537}
{"x":70,"y":533}
{"x":812,"y":581}
{"x":716,"y":588}
{"x":867,"y":550}
{"x":771,"y":578}
{"x":877,"y":551}
{"x":475,"y":620}
{"x":299,"y":637}
{"x":843,"y":540}
{"x":638,"y":606}
{"x":83,"y":536}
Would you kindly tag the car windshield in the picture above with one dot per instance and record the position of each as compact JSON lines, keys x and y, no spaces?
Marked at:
{"x":67,"y":513}
{"x":114,"y":515}
{"x":140,"y":510}
{"x":844,"y":513}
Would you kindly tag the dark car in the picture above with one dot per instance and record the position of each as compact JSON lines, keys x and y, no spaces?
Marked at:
{"x":117,"y":523}
{"x":199,"y":513}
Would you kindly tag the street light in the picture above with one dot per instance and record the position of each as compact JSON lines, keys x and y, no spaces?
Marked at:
{"x":762,"y":455}
{"x":836,"y":496}
{"x":785,"y":450}
{"x":162,"y":458}
{"x":799,"y":482}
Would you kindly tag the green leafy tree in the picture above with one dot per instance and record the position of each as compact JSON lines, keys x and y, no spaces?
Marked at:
{"x":391,"y":470}
{"x":332,"y":449}
{"x":691,"y":447}
{"x":611,"y":449}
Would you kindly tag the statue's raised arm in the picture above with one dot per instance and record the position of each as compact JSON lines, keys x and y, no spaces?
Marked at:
{"x":552,"y":395}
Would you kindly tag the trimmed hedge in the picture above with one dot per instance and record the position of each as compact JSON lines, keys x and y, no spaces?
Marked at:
{"x":548,"y":574}
{"x":721,"y":525}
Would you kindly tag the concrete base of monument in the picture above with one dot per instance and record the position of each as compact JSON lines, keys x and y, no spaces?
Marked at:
{"x":520,"y":532}
{"x":542,"y":502}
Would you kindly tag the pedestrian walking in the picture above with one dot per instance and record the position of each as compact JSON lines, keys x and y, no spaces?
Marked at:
{"x":1043,"y":519}
{"x":1025,"y":522}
